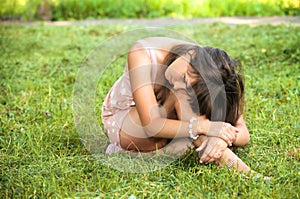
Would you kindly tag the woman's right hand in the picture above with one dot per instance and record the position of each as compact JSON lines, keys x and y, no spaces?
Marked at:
{"x":223,"y":130}
{"x":211,"y":149}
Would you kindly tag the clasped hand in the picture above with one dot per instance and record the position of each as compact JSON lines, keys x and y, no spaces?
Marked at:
{"x":220,"y":135}
{"x":223,"y":130}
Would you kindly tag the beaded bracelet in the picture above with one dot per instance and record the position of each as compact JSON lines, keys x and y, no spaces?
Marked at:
{"x":192,"y":136}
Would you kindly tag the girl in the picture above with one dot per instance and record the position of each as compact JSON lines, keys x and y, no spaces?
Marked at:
{"x":174,"y":91}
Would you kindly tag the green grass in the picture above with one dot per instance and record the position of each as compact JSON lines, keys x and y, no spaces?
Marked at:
{"x":41,"y":154}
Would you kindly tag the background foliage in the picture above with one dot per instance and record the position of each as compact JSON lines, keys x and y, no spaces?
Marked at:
{"x":78,"y":9}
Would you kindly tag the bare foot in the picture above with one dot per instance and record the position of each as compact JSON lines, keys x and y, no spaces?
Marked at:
{"x":231,"y":160}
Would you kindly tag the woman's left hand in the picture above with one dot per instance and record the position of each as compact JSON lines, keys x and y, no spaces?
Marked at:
{"x":213,"y":149}
{"x":223,"y":130}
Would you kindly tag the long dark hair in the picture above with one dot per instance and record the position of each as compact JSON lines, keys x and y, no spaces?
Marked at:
{"x":219,"y":90}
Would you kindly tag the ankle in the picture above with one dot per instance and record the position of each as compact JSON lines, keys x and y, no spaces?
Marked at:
{"x":231,"y":160}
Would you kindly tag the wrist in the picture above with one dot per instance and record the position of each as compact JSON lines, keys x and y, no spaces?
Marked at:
{"x":202,"y":126}
{"x":199,"y":141}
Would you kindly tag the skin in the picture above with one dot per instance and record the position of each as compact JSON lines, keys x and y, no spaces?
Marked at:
{"x":148,"y":127}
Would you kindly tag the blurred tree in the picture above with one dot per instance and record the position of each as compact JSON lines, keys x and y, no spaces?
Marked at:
{"x":44,"y":11}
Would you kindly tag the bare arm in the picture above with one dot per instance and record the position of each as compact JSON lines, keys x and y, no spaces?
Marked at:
{"x":213,"y":146}
{"x":154,"y":123}
{"x":205,"y":127}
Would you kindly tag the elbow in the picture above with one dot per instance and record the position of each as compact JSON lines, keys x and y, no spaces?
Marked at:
{"x":247,"y":139}
{"x":243,"y":139}
{"x":154,"y":128}
{"x":152,"y":131}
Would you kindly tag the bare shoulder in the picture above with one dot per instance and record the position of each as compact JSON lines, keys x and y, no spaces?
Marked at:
{"x":160,"y":45}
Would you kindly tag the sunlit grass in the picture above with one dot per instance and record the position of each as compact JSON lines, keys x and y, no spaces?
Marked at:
{"x":41,"y":154}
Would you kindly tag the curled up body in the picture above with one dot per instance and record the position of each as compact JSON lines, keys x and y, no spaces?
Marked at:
{"x":178,"y":90}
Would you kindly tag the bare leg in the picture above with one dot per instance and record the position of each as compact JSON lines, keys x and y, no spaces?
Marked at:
{"x":231,"y":160}
{"x":228,"y":158}
{"x":134,"y":138}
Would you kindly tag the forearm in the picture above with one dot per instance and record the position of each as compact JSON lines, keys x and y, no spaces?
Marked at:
{"x":161,"y":127}
{"x":167,"y":128}
{"x":242,"y":136}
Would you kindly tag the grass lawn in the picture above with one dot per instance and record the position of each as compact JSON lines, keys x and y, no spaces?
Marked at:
{"x":41,"y":153}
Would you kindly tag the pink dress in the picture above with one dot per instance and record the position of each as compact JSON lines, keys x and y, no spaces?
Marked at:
{"x":117,"y":104}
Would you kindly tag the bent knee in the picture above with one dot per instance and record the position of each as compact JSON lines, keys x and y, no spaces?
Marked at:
{"x":128,"y":142}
